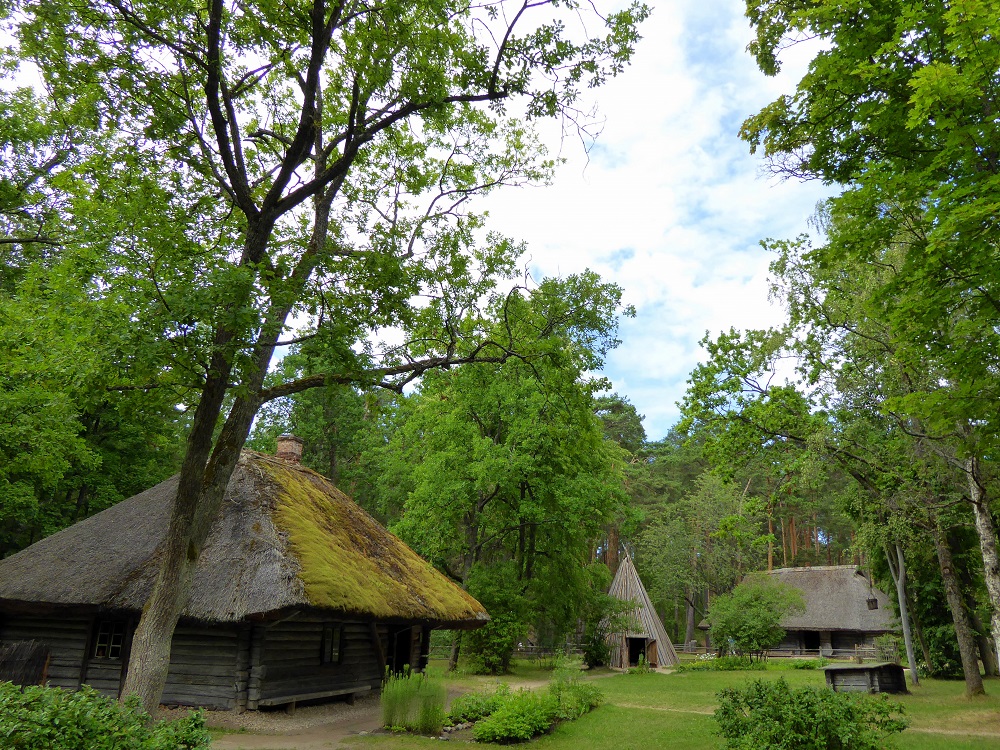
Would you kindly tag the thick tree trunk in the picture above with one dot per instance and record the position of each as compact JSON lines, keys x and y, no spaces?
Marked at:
{"x":614,"y":542}
{"x":985,"y":645}
{"x":770,"y":543}
{"x":897,"y":566}
{"x":987,"y":533}
{"x":793,"y":541}
{"x":690,"y":624}
{"x":784,"y":543}
{"x":456,"y":650}
{"x":966,"y":644}
{"x":204,"y":476}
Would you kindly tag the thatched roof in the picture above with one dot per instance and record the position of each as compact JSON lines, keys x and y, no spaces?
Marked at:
{"x":285,"y":538}
{"x":836,"y":599}
{"x":643,"y":622}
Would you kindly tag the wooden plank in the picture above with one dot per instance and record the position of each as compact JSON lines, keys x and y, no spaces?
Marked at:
{"x":277,"y":701}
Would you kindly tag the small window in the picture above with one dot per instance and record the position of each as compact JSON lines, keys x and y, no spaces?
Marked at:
{"x":110,"y":637}
{"x":331,"y":650}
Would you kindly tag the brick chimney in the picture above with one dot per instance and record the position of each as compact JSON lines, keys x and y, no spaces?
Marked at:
{"x":290,"y":448}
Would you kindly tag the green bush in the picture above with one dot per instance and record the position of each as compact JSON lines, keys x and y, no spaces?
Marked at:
{"x":747,"y":621}
{"x":596,"y":651}
{"x":40,"y":718}
{"x":573,"y":697}
{"x":718,"y":664}
{"x":641,"y":666}
{"x":491,"y":647}
{"x":807,"y":663}
{"x":769,"y":715}
{"x":522,"y":716}
{"x":475,"y":706}
{"x":413,"y":702}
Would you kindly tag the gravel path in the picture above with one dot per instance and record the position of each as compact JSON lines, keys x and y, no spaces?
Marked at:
{"x":309,"y":728}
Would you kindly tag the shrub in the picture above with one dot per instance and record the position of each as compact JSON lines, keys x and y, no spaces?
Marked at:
{"x":491,"y":647}
{"x":808,"y":663}
{"x":747,"y":620}
{"x":641,"y":667}
{"x":413,"y":702}
{"x":596,"y":651}
{"x":769,"y":715}
{"x":476,"y":706}
{"x":41,"y":718}
{"x":505,"y":717}
{"x":522,"y":716}
{"x":718,"y":664}
{"x":573,"y":697}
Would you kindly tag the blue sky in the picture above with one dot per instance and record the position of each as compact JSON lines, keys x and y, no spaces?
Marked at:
{"x":670,"y":204}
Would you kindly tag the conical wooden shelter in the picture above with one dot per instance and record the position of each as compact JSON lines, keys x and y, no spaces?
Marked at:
{"x":643,"y":634}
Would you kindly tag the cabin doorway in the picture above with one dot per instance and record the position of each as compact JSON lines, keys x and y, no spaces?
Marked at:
{"x":810,"y":641}
{"x":636,"y":648}
{"x":399,"y":652}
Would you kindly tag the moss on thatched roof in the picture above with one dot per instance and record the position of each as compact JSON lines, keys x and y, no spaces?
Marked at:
{"x":285,"y":538}
{"x":350,"y":563}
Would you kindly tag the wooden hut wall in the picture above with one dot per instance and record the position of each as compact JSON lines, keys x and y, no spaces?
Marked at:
{"x":203,"y":666}
{"x":847,"y":640}
{"x":642,"y":621}
{"x":65,"y":637}
{"x":288,"y":664}
{"x":202,"y":658}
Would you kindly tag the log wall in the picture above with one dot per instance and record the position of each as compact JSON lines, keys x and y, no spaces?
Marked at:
{"x":285,"y":663}
{"x":241,"y":666}
{"x":66,"y":639}
{"x":203,"y":659}
{"x":204,"y":666}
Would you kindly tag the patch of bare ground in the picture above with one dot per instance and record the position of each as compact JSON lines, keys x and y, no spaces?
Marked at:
{"x":316,"y":727}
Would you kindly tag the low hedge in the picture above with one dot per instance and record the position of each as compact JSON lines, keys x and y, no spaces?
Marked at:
{"x":506,"y":717}
{"x":42,"y":718}
{"x":770,"y":715}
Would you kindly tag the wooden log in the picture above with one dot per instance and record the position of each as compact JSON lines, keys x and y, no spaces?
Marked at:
{"x":277,"y":701}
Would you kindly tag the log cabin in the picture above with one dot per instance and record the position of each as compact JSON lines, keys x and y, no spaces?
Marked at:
{"x":298,"y":594}
{"x":843,"y":612}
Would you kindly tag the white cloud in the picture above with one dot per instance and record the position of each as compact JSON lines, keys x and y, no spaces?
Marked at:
{"x":671,"y":205}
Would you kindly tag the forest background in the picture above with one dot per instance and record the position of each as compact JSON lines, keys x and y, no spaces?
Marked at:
{"x":864,"y":430}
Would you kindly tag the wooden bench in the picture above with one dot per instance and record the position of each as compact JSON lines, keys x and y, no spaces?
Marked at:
{"x":289,"y":703}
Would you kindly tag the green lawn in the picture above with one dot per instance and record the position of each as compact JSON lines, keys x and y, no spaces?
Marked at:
{"x":656,"y":710}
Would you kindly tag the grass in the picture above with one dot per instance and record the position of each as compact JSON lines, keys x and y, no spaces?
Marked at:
{"x":653,"y":710}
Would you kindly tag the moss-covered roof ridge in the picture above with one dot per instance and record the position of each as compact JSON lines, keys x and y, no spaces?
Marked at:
{"x":349,"y":562}
{"x":285,"y":538}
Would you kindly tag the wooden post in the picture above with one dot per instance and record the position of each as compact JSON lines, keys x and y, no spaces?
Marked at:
{"x":379,"y":651}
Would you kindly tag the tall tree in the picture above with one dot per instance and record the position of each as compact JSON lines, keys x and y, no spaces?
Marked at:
{"x":501,"y":474}
{"x":312,"y":157}
{"x":899,"y":107}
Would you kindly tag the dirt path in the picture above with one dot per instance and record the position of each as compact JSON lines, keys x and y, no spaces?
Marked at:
{"x":311,"y":728}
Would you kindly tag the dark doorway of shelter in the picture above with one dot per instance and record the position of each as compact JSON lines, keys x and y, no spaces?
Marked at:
{"x":810,"y":641}
{"x":636,"y":648}
{"x":399,"y":656}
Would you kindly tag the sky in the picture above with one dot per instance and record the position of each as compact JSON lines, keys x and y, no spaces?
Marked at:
{"x":670,"y":204}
